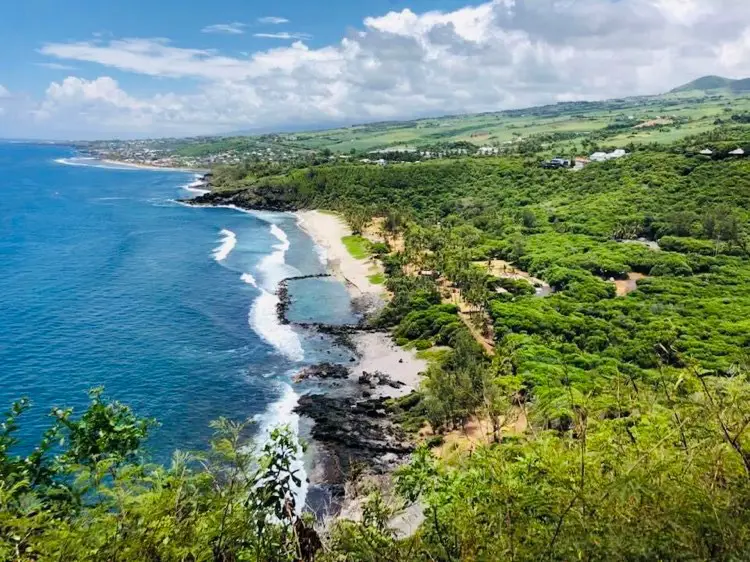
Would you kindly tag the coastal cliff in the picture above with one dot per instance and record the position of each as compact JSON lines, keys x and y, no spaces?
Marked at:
{"x":258,"y":198}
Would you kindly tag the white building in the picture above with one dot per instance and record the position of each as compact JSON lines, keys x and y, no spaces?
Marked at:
{"x":598,"y":157}
{"x":604,"y":156}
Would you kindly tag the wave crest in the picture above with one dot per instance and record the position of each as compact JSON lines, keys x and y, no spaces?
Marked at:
{"x":263,"y":315}
{"x":228,"y":242}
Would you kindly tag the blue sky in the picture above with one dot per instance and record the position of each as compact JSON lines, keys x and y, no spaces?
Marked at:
{"x":26,"y":26}
{"x":92,"y":69}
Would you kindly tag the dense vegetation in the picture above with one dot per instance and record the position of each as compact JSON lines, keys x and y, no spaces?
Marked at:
{"x":617,"y":422}
{"x":565,"y":361}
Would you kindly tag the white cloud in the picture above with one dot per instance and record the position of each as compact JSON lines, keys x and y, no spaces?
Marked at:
{"x":234,"y":28}
{"x":273,"y":20}
{"x":55,"y":66}
{"x":4,"y":93}
{"x":497,"y":55}
{"x":283,"y":35}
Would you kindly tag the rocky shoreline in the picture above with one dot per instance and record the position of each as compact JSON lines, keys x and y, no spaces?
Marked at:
{"x":258,"y":198}
{"x":352,"y":430}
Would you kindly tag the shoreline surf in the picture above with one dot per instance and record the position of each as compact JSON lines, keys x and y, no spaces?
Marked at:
{"x":93,"y":162}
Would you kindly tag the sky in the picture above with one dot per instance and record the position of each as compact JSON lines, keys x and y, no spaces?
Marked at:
{"x":84,"y":69}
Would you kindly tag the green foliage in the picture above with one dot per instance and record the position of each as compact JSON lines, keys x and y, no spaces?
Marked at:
{"x":95,"y":499}
{"x":380,"y":249}
{"x":653,"y":472}
{"x":439,"y":321}
{"x":357,"y":246}
{"x":673,"y":265}
{"x":105,"y":431}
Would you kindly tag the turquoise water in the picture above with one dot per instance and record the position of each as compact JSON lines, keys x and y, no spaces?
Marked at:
{"x":105,"y":280}
{"x":305,"y":296}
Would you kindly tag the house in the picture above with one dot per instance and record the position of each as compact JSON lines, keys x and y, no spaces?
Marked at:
{"x":598,"y":157}
{"x":604,"y":156}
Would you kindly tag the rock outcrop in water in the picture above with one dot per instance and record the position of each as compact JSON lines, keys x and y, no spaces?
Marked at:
{"x":259,"y":198}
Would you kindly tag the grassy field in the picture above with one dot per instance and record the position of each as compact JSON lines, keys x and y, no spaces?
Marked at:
{"x":357,"y":246}
{"x":692,"y":114}
{"x":562,"y":128}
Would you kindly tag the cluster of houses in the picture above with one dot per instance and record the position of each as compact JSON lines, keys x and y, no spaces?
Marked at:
{"x":488,"y":150}
{"x":735,"y":152}
{"x":581,"y":162}
{"x":164,"y":152}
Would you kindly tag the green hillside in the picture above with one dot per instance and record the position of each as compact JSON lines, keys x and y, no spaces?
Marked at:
{"x":711,"y":83}
{"x":568,"y":128}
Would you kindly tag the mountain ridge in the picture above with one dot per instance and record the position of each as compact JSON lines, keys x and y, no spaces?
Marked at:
{"x":713,"y":82}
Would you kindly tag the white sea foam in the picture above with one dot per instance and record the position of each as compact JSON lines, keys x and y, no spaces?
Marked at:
{"x":263,"y":316}
{"x":228,"y":242}
{"x":249,"y":279}
{"x":80,"y":161}
{"x":320,"y":250}
{"x":280,"y":413}
{"x":194,"y":186}
{"x":265,"y":322}
{"x":281,"y":235}
{"x":273,"y":267}
{"x":322,"y":254}
{"x":89,"y":162}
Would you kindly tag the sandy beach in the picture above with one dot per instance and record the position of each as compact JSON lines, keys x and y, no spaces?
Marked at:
{"x":377,"y":350}
{"x":327,"y":230}
{"x":379,"y":353}
{"x":149,"y":167}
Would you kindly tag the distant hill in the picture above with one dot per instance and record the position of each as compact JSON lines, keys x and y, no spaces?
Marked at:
{"x":712,"y":83}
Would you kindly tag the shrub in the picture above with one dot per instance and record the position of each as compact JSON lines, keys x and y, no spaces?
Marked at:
{"x":673,"y":265}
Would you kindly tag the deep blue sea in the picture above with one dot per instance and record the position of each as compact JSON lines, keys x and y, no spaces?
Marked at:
{"x":106,"y":281}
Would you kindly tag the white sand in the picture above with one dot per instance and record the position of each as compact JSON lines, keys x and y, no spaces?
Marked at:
{"x":377,"y":350}
{"x":137,"y":166}
{"x":379,"y":353}
{"x":327,"y":231}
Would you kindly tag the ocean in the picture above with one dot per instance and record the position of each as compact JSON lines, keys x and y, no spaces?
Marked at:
{"x":105,"y":280}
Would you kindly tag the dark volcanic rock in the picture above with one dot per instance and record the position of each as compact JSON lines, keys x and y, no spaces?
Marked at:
{"x":258,"y":197}
{"x":357,"y":432}
{"x":285,"y":300}
{"x":322,"y":371}
{"x":377,"y":378}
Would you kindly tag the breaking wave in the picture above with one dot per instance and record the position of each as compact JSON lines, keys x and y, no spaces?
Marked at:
{"x":195,"y":186}
{"x":228,"y":242}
